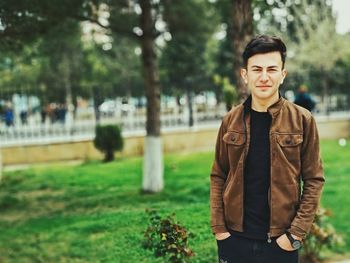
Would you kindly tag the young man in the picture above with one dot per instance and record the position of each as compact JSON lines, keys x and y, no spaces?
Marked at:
{"x":265,"y":148}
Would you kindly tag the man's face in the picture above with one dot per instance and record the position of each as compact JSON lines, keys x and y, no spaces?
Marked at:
{"x":264,"y":75}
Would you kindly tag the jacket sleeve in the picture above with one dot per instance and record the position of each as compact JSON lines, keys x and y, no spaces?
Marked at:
{"x":218,"y":177}
{"x":313,"y":180}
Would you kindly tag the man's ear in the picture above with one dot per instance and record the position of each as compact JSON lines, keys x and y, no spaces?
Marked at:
{"x":284,"y":74}
{"x":244,"y":75}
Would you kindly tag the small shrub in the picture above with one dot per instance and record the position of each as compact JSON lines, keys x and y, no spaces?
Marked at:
{"x":228,"y":90}
{"x":322,"y":235}
{"x":108,"y":139}
{"x":230,"y":94}
{"x":167,"y":238}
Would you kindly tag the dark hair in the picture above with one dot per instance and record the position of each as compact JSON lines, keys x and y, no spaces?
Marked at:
{"x":261,"y":44}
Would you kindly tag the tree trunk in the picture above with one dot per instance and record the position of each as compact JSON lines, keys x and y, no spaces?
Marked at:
{"x":109,"y":155}
{"x":66,"y":74}
{"x":242,"y":31}
{"x":96,"y":94}
{"x":0,"y":165}
{"x":325,"y":93}
{"x":153,"y":157}
{"x":190,"y":106}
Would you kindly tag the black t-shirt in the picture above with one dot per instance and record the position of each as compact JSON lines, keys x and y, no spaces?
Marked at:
{"x":256,"y":220}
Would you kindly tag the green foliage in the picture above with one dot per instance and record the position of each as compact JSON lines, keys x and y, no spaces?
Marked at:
{"x":55,"y":57}
{"x":229,"y":90}
{"x":112,"y":72}
{"x":190,"y":24}
{"x":19,"y":72}
{"x":322,"y":235}
{"x":108,"y":139}
{"x":307,"y":28}
{"x":63,"y":65}
{"x":167,"y":238}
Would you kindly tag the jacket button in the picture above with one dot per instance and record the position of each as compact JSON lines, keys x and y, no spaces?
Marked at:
{"x":288,"y":141}
{"x":233,"y":138}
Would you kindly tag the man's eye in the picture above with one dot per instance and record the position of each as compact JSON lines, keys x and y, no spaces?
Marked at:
{"x":256,"y":70}
{"x":272,"y":70}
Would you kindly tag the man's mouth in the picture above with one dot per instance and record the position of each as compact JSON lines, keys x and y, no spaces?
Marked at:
{"x":263,"y":87}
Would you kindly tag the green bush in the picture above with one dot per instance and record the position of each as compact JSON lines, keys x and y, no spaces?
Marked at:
{"x":228,"y":89}
{"x":167,"y":238}
{"x":322,"y":235}
{"x":108,"y":139}
{"x":230,"y":94}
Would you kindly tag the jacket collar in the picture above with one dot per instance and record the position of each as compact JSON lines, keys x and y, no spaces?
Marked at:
{"x":273,"y":109}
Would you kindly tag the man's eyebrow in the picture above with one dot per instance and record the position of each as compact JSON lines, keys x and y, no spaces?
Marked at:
{"x":269,"y":67}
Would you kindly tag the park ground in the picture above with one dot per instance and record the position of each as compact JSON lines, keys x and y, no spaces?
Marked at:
{"x":95,"y":212}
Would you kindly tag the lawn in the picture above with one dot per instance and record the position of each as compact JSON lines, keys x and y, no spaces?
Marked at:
{"x":95,"y":212}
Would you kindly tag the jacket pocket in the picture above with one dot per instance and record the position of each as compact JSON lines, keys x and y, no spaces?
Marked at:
{"x":289,"y":140}
{"x":290,"y":146}
{"x":235,"y":143}
{"x":234,"y":138}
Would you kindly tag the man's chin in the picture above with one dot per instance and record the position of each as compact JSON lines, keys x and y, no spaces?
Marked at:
{"x":264,"y":94}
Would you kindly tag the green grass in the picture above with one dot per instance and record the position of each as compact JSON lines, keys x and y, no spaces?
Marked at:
{"x":96,"y":212}
{"x":336,"y":195}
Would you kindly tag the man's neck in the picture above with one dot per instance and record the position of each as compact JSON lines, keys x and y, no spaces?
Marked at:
{"x":263,"y":105}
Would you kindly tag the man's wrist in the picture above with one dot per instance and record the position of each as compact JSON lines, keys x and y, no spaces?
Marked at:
{"x":220,"y":236}
{"x":295,"y":241}
{"x":295,"y":237}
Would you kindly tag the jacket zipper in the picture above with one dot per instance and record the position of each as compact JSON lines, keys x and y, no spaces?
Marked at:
{"x":269,"y":201}
{"x":270,"y":192}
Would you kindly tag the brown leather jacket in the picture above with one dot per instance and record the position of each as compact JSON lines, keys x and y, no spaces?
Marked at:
{"x":295,"y":157}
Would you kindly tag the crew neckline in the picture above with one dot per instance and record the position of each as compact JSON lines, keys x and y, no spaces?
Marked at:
{"x":259,"y":112}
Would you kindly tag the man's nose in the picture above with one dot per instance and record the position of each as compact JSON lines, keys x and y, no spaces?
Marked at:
{"x":264,"y":77}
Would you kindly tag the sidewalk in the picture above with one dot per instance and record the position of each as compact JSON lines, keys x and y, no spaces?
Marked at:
{"x":339,"y":260}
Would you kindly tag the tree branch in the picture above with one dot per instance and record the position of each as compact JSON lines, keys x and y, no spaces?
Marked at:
{"x":109,"y":27}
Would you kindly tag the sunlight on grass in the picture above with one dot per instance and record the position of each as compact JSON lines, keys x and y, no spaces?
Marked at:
{"x":96,"y":211}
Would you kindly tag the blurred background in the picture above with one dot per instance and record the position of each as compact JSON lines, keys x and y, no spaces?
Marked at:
{"x":66,"y":66}
{"x":154,"y":68}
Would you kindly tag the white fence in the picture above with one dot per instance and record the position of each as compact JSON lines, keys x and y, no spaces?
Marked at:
{"x":132,"y":124}
{"x":75,"y":130}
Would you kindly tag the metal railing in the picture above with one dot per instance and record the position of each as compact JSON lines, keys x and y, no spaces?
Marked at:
{"x":131,"y":124}
{"x":36,"y":132}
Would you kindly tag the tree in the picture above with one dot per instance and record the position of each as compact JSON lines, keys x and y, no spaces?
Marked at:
{"x":242,"y":31}
{"x":61,"y":75}
{"x":191,"y":26}
{"x":111,"y":69}
{"x":237,"y":20}
{"x":1,"y":165}
{"x":316,"y":50}
{"x":228,"y":90}
{"x":153,"y":157}
{"x":317,"y":55}
{"x":25,"y":21}
{"x":19,"y":72}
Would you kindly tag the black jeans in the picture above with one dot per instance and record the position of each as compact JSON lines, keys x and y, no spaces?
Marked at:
{"x":237,"y":249}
